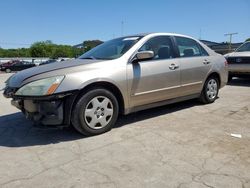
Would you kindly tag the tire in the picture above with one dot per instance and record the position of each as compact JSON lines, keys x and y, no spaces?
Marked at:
{"x":7,"y":70}
{"x":210,"y":90}
{"x":95,"y":112}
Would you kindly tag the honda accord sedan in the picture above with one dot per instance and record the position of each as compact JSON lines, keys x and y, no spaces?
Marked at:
{"x":120,"y":76}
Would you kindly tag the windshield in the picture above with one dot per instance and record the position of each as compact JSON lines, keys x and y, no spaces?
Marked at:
{"x":244,"y":47}
{"x":112,"y":49}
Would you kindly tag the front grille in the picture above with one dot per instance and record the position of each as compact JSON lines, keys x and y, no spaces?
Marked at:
{"x":238,"y":60}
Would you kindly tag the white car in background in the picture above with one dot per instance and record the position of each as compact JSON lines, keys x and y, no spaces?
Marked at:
{"x":239,"y":62}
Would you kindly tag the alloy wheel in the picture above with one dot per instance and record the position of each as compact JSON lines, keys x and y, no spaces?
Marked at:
{"x":212,"y":89}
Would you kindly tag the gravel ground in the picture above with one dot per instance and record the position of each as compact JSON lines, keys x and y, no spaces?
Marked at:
{"x":182,"y":145}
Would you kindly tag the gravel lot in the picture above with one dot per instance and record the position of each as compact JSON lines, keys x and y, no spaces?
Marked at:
{"x":182,"y":145}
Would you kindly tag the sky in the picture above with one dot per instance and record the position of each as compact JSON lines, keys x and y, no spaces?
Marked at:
{"x":23,"y":22}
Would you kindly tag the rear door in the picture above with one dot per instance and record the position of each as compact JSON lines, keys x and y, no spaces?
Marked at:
{"x":195,"y":64}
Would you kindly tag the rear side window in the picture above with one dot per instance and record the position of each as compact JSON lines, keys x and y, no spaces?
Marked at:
{"x":161,"y":46}
{"x":190,"y":48}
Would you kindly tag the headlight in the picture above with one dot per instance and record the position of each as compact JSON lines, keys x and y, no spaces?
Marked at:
{"x":42,"y":87}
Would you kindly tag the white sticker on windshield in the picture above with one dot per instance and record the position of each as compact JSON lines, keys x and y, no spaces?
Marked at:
{"x":131,"y":38}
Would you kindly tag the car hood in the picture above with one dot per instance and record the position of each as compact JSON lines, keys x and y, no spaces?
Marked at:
{"x":238,"y":54}
{"x":17,"y":79}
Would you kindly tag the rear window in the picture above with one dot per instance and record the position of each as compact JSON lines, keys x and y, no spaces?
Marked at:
{"x":190,"y":48}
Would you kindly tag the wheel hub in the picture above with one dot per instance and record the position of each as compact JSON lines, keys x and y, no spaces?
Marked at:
{"x":99,"y":112}
{"x":212,"y":89}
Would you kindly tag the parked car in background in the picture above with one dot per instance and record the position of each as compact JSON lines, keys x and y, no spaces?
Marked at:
{"x":123,"y":75}
{"x":239,"y":62}
{"x":4,"y":66}
{"x":48,"y":62}
{"x":16,"y":65}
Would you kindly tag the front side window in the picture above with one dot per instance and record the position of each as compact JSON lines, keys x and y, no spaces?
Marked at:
{"x":244,"y":47}
{"x":161,"y":46}
{"x":112,"y":49}
{"x":189,"y":47}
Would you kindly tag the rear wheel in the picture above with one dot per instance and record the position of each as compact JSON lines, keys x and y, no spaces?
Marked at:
{"x":210,"y":90}
{"x":95,"y":112}
{"x":7,"y":70}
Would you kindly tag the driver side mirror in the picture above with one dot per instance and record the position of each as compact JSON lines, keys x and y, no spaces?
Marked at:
{"x":144,"y":55}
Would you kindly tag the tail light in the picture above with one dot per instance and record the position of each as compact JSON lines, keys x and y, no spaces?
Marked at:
{"x":226,"y":63}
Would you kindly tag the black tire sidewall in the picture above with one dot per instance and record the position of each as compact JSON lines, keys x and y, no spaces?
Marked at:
{"x":78,"y":113}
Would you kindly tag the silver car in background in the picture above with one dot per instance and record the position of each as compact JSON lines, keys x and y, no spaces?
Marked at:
{"x":239,"y":62}
{"x":120,"y":76}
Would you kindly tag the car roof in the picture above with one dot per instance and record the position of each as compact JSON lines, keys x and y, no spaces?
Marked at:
{"x":157,"y":33}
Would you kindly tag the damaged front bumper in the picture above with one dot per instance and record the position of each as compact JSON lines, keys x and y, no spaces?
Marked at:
{"x":46,"y":110}
{"x":41,"y":112}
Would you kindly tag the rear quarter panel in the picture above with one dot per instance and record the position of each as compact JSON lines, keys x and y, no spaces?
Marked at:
{"x":220,"y":66}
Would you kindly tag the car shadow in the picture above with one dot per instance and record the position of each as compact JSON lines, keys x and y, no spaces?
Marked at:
{"x":240,"y":82}
{"x":154,"y":112}
{"x":16,"y":131}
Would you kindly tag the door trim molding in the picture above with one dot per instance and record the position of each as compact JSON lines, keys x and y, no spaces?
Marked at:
{"x":191,"y":84}
{"x":156,"y":90}
{"x":167,"y":88}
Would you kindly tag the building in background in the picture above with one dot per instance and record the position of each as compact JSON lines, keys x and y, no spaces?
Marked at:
{"x":221,"y":48}
{"x":36,"y":60}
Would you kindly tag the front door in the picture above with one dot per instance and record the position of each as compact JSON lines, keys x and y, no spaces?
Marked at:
{"x":156,"y":79}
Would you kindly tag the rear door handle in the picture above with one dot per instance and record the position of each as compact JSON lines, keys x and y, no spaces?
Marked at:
{"x":173,"y":66}
{"x":206,"y":62}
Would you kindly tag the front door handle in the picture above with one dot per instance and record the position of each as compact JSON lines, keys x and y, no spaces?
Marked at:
{"x":173,"y":66}
{"x":206,"y":62}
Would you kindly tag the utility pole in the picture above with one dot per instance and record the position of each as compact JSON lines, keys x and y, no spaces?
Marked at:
{"x":230,"y":39}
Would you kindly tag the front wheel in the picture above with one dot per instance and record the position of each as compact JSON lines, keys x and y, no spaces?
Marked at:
{"x":7,"y":70}
{"x":210,"y":90}
{"x":95,"y":112}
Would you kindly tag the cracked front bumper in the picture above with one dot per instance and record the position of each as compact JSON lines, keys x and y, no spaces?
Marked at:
{"x":45,"y":110}
{"x":42,"y":112}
